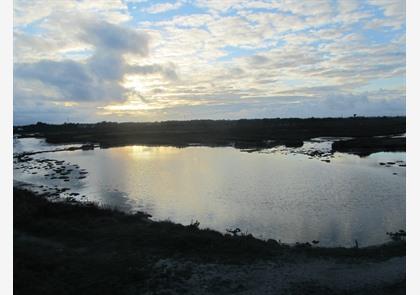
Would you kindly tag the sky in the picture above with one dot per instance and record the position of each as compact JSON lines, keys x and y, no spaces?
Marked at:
{"x":138,"y":60}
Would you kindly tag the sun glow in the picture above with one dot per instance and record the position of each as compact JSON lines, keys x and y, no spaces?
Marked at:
{"x":147,"y":152}
{"x":132,"y":106}
{"x":66,"y":103}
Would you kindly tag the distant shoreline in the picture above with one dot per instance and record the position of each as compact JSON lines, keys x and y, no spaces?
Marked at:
{"x":369,"y":134}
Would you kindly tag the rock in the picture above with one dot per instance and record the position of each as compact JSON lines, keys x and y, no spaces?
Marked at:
{"x":88,"y":147}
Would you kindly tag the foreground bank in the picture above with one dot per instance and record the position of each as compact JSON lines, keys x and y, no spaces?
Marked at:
{"x":70,"y":248}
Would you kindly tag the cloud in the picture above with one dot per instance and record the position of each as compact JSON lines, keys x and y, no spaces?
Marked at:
{"x":163,"y":7}
{"x":112,"y":37}
{"x":100,"y":76}
{"x":26,"y":12}
{"x":209,"y":58}
{"x":394,"y":14}
{"x":167,"y":71}
{"x":74,"y":81}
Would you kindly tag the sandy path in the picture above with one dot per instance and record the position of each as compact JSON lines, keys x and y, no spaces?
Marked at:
{"x":303,"y":276}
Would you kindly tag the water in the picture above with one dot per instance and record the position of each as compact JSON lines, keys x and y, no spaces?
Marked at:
{"x":279,"y":193}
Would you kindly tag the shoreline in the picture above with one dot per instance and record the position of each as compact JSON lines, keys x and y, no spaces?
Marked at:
{"x":241,"y":134}
{"x":55,"y":195}
{"x":60,"y":240}
{"x":145,"y":217}
{"x":63,"y":172}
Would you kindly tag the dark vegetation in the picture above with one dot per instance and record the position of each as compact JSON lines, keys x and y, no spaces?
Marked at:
{"x":255,"y":133}
{"x":367,"y":145}
{"x":75,"y":248}
{"x":397,"y":236}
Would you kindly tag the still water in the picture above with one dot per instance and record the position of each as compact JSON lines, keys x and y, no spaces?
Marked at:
{"x":279,"y":193}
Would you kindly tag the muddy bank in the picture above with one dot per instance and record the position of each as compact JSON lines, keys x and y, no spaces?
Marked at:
{"x":25,"y":156}
{"x":257,"y":133}
{"x":74,"y":248}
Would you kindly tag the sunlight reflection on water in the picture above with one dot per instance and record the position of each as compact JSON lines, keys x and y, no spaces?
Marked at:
{"x":276,"y":195}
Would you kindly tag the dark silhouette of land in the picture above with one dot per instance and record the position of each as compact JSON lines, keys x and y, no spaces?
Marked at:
{"x":369,"y":133}
{"x":74,"y":248}
{"x":67,"y":247}
{"x":364,"y":146}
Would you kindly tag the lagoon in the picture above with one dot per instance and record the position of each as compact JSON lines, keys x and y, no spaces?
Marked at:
{"x":280,"y":193}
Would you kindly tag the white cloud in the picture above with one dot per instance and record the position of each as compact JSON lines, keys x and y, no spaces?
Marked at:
{"x":163,"y":7}
{"x":394,"y":11}
{"x":30,"y":11}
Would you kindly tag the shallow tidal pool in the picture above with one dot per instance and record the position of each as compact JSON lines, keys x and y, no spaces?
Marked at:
{"x":283,"y":194}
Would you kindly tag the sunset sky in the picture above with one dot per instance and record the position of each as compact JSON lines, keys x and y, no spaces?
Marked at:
{"x":136,"y":60}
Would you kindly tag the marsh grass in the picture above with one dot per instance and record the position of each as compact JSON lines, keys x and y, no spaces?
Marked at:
{"x":80,"y":248}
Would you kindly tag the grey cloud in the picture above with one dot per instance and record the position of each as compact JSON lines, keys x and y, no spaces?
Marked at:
{"x":107,"y":65}
{"x":257,"y":60}
{"x":28,"y":113}
{"x":167,"y":71}
{"x":362,"y":105}
{"x":53,"y":72}
{"x":334,"y":105}
{"x":75,"y":81}
{"x":99,"y":77}
{"x":236,"y":71}
{"x":116,"y":38}
{"x":291,"y":106}
{"x":283,"y":59}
